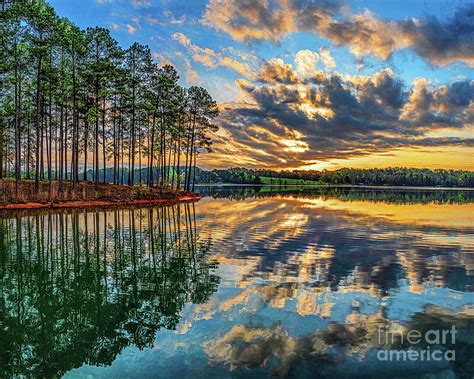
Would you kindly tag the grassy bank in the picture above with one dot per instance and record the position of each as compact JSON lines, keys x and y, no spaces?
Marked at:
{"x":82,"y":193}
{"x":285,"y":181}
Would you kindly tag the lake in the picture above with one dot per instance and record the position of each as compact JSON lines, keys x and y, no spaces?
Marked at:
{"x":247,"y":282}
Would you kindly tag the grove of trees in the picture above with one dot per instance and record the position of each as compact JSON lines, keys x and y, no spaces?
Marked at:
{"x":73,"y":100}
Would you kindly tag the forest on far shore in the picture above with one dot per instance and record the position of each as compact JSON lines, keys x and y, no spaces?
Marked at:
{"x":393,"y":176}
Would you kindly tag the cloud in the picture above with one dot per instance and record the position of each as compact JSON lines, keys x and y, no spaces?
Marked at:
{"x":250,"y":346}
{"x":140,"y":3}
{"x":211,"y":58}
{"x":162,"y":61}
{"x":131,"y":29}
{"x":364,"y":34}
{"x":441,"y":42}
{"x":444,"y":42}
{"x":182,"y":39}
{"x":171,"y":19}
{"x":448,"y":105}
{"x":191,"y":75}
{"x":276,"y":70}
{"x":291,"y":120}
{"x":306,"y":62}
{"x":258,"y":20}
{"x":168,"y":18}
{"x":328,"y":61}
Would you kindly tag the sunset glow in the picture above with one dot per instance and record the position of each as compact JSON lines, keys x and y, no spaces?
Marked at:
{"x":365,"y":84}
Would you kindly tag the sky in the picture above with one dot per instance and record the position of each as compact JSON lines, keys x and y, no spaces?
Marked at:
{"x":315,"y":84}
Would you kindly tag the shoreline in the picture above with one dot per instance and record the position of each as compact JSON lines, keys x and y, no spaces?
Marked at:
{"x":100,"y":203}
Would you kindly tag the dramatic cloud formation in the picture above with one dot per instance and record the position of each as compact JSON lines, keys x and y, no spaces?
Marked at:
{"x":319,"y":84}
{"x":440,"y":42}
{"x":292,"y":118}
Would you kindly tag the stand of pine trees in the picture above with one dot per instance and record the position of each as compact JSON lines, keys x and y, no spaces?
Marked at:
{"x":72,"y":100}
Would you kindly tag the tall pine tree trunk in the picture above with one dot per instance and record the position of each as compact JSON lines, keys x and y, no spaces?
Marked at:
{"x":38,"y":120}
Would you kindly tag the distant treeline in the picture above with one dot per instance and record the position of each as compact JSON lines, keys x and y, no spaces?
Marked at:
{"x":393,"y":176}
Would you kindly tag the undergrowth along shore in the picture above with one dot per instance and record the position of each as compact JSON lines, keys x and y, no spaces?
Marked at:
{"x":83,"y":192}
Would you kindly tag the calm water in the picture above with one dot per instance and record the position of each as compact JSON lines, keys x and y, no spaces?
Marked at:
{"x":248,"y":282}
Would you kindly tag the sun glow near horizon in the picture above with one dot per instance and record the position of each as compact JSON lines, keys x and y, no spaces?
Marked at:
{"x":456,"y":158}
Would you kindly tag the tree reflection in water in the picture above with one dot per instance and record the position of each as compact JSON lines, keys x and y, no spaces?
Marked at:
{"x":80,"y":287}
{"x":344,"y":193}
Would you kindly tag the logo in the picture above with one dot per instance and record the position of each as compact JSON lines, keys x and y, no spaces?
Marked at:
{"x":429,"y":345}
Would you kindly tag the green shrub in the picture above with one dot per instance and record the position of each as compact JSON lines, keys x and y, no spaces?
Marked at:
{"x":141,"y":191}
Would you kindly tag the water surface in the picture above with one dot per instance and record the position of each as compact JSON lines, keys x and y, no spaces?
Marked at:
{"x":247,"y":282}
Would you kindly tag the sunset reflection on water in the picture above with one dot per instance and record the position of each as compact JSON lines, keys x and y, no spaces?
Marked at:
{"x":282,"y":284}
